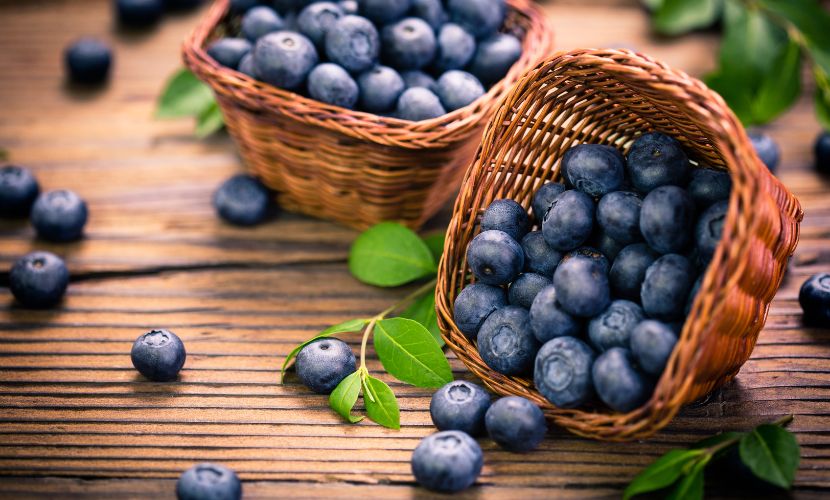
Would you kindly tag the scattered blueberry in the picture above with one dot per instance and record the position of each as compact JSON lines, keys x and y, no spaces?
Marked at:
{"x":139,"y":13}
{"x":494,"y":57}
{"x":548,"y":320}
{"x":39,"y":279}
{"x":618,"y":383}
{"x":315,"y":21}
{"x":260,"y":21}
{"x":822,"y":152}
{"x":455,"y":48}
{"x":582,"y":286}
{"x":284,"y":59}
{"x":417,"y":78}
{"x":508,"y":216}
{"x":612,"y":328}
{"x":431,"y":11}
{"x":766,"y":148}
{"x":457,"y":89}
{"x":353,"y":42}
{"x":563,"y":372}
{"x":242,"y":200}
{"x":18,"y":191}
{"x":709,"y":186}
{"x":594,"y":169}
{"x":516,"y":424}
{"x":629,"y":270}
{"x":506,"y":342}
{"x":710,"y":228}
{"x":59,"y":216}
{"x":331,"y":84}
{"x":408,"y":44}
{"x":543,"y":199}
{"x":814,"y":297}
{"x":229,"y":51}
{"x":656,"y":160}
{"x":447,"y":461}
{"x":158,"y":355}
{"x":88,"y":61}
{"x":481,"y":18}
{"x":618,"y":213}
{"x":666,"y":287}
{"x":524,"y":289}
{"x":418,"y":103}
{"x":652,"y":343}
{"x":460,"y":406}
{"x":569,"y":220}
{"x":666,"y":219}
{"x":383,"y":12}
{"x":474,"y":304}
{"x":380,"y":89}
{"x":494,"y":257}
{"x":208,"y":481}
{"x":540,"y":258}
{"x":324,"y":363}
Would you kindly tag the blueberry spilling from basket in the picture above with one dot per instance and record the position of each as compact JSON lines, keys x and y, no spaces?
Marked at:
{"x":591,"y":302}
{"x":412,"y":59}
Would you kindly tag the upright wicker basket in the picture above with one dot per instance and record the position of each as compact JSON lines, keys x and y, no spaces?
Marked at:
{"x":610,"y":97}
{"x":352,"y":167}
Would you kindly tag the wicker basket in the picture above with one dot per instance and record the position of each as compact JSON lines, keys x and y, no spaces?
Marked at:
{"x":610,"y":97}
{"x":352,"y":167}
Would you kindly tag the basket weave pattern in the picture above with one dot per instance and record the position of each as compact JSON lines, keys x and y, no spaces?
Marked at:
{"x":349,"y":166}
{"x":610,"y":97}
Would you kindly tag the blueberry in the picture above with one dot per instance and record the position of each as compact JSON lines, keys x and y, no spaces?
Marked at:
{"x":591,"y":253}
{"x":418,"y":103}
{"x":629,"y":270}
{"x":242,"y":200}
{"x":324,"y":363}
{"x":656,"y":160}
{"x":506,"y":342}
{"x":710,"y":228}
{"x":618,"y":213}
{"x":315,"y":21}
{"x":246,"y":65}
{"x":229,"y":51}
{"x":482,"y":18}
{"x":474,"y":304}
{"x":331,"y":84}
{"x":284,"y":59}
{"x":39,"y":279}
{"x":612,"y":328}
{"x":563,"y":372}
{"x":543,"y":199}
{"x":455,"y":48}
{"x":548,"y":320}
{"x":380,"y":89}
{"x":242,"y":6}
{"x":652,"y":343}
{"x":594,"y":169}
{"x":822,"y":152}
{"x":260,"y":21}
{"x":709,"y":186}
{"x":408,"y":44}
{"x":139,"y":13}
{"x":457,"y":89}
{"x":88,"y":61}
{"x":508,"y":216}
{"x":59,"y":216}
{"x":494,"y":257}
{"x":431,"y":11}
{"x":666,"y":287}
{"x":582,"y":286}
{"x":382,"y":12}
{"x":18,"y":191}
{"x":525,"y":288}
{"x":540,"y":258}
{"x":606,"y":245}
{"x":353,"y":42}
{"x":516,"y":424}
{"x":158,"y":355}
{"x":618,"y":383}
{"x":208,"y":481}
{"x":569,"y":220}
{"x":766,"y":148}
{"x":417,"y":78}
{"x":666,"y":219}
{"x":447,"y":461}
{"x":814,"y":297}
{"x":460,"y":406}
{"x":349,"y":7}
{"x":494,"y":57}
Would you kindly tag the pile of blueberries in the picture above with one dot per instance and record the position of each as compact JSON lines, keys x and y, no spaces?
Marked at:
{"x":413,"y":59}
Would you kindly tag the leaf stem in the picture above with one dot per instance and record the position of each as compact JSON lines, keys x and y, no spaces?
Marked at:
{"x":781,"y":422}
{"x":365,"y":340}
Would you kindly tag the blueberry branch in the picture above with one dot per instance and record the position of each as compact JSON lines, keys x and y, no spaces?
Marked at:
{"x":781,"y":422}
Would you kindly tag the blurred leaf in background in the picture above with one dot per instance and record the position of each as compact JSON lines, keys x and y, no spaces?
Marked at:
{"x":185,"y":96}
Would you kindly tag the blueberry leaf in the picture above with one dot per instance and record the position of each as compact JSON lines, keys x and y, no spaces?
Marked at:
{"x":673,"y":17}
{"x":344,"y":396}
{"x":381,"y":405}
{"x":811,"y":20}
{"x":779,"y":88}
{"x":422,"y":310}
{"x":691,"y":486}
{"x":663,"y":472}
{"x":771,"y":453}
{"x":389,"y":254}
{"x":435,"y":243}
{"x":352,"y":325}
{"x":822,"y":98}
{"x":410,"y":353}
{"x":209,"y":121}
{"x":716,"y":440}
{"x":184,"y":95}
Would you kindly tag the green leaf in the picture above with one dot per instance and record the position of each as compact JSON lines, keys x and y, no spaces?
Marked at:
{"x":717,"y":439}
{"x":352,"y":325}
{"x":811,"y":20}
{"x":653,"y":5}
{"x":435,"y":243}
{"x":409,"y":353}
{"x":779,"y":88}
{"x":674,"y":17}
{"x":344,"y":396}
{"x":663,"y":472}
{"x":822,"y":97}
{"x":184,"y":95}
{"x":772,"y":454}
{"x":691,"y":486}
{"x":209,"y":121}
{"x":390,"y":254}
{"x":423,"y":311}
{"x":381,"y":405}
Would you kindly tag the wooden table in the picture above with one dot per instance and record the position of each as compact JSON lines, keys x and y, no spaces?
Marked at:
{"x":77,"y":420}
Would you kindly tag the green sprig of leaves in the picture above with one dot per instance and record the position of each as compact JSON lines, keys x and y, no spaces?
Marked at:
{"x":408,"y":345}
{"x":185,"y":96}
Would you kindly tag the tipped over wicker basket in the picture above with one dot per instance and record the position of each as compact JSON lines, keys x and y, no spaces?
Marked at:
{"x":610,"y":97}
{"x":353,"y":167}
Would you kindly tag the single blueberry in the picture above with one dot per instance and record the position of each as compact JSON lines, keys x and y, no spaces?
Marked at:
{"x":591,"y":253}
{"x":39,"y":279}
{"x":594,"y":169}
{"x":88,"y":61}
{"x":380,"y":89}
{"x":315,"y":21}
{"x":158,"y":355}
{"x":208,"y":481}
{"x":331,"y":84}
{"x":324,"y":363}
{"x":652,"y":343}
{"x":710,"y":228}
{"x":543,"y":199}
{"x":482,"y":18}
{"x":766,"y":148}
{"x":229,"y":51}
{"x":246,"y":65}
{"x":516,"y":424}
{"x":709,"y":186}
{"x":814,"y":297}
{"x":260,"y":21}
{"x":822,"y":152}
{"x":408,"y":44}
{"x":353,"y":42}
{"x":656,"y":160}
{"x":506,"y":342}
{"x":524,"y":289}
{"x":495,"y":258}
{"x":431,"y":11}
{"x":242,"y":200}
{"x":629,"y":270}
{"x":606,"y":245}
{"x":618,"y":383}
{"x":18,"y":191}
{"x":59,"y":216}
{"x":569,"y":220}
{"x":284,"y":59}
{"x":582,"y":286}
{"x":447,"y":461}
{"x":138,"y":13}
{"x":618,"y":213}
{"x":457,"y":89}
{"x":666,"y":287}
{"x":540,"y":258}
{"x":495,"y":56}
{"x":613,"y":326}
{"x":460,"y":406}
{"x":563,"y":372}
{"x":417,"y":78}
{"x":508,"y":216}
{"x":383,"y":12}
{"x":242,"y":6}
{"x":474,"y":304}
{"x":350,"y":7}
{"x":548,"y":320}
{"x":666,"y":219}
{"x":455,"y":48}
{"x":419,"y":103}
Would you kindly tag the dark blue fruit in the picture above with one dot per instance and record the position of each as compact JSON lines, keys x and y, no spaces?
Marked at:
{"x":569,"y":220}
{"x":460,"y":406}
{"x":229,"y":51}
{"x":814,"y":298}
{"x":246,"y":65}
{"x":417,"y":78}
{"x":158,"y":355}
{"x":59,"y":216}
{"x":612,"y":328}
{"x":618,"y":383}
{"x":331,"y":84}
{"x":524,"y":289}
{"x":431,"y":11}
{"x":455,"y":48}
{"x":474,"y":304}
{"x":709,"y":229}
{"x":447,"y":461}
{"x":242,"y":6}
{"x":563,"y":372}
{"x":766,"y":148}
{"x":591,"y":253}
{"x":260,"y":21}
{"x":543,"y":199}
{"x":242,"y":200}
{"x":629,"y":270}
{"x":315,"y":21}
{"x":709,"y":186}
{"x":482,"y":18}
{"x":666,"y":287}
{"x":39,"y":279}
{"x":457,"y":89}
{"x":506,"y":342}
{"x":88,"y":61}
{"x":419,"y":103}
{"x":18,"y":191}
{"x":618,"y":213}
{"x":138,"y":13}
{"x":380,"y":89}
{"x":382,"y":12}
{"x":324,"y":363}
{"x":652,"y":343}
{"x":656,"y":160}
{"x":350,"y":7}
{"x":692,"y":295}
{"x":494,"y":257}
{"x":540,"y":258}
{"x":594,"y":169}
{"x":494,"y":57}
{"x":822,"y":152}
{"x":582,"y":286}
{"x":208,"y":481}
{"x":548,"y":320}
{"x":516,"y":424}
{"x":353,"y":42}
{"x":408,"y":44}
{"x":508,"y":216}
{"x":284,"y":59}
{"x":666,"y":219}
{"x":606,"y":245}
